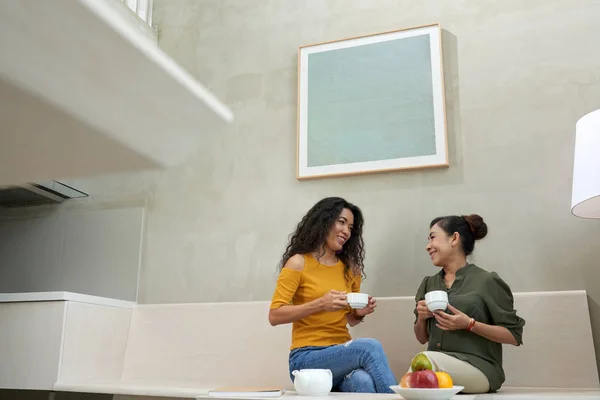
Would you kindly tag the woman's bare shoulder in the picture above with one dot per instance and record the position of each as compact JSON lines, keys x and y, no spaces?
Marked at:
{"x":296,"y":262}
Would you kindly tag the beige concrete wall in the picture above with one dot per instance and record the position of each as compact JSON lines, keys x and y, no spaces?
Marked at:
{"x":518,"y":76}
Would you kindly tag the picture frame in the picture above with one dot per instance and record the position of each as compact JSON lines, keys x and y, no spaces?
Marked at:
{"x":372,"y":104}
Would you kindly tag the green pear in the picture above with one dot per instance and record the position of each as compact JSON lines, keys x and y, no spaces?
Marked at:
{"x":421,"y":363}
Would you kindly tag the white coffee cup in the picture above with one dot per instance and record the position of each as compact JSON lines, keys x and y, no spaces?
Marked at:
{"x":357,"y":300}
{"x":436,"y":300}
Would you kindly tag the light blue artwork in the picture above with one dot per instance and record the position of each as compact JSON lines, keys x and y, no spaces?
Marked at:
{"x":372,"y":104}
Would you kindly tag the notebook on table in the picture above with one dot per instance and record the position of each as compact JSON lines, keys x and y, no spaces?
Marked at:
{"x":246,"y":392}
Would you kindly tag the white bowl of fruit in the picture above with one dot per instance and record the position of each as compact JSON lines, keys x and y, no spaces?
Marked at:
{"x":425,"y":384}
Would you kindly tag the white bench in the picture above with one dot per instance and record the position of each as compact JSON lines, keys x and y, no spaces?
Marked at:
{"x":182,"y":350}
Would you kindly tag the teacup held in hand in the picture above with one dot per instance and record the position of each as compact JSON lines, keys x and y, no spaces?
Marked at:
{"x":357,"y":300}
{"x":436,"y":300}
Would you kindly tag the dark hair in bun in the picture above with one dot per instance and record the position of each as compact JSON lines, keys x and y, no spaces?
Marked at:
{"x":469,"y":227}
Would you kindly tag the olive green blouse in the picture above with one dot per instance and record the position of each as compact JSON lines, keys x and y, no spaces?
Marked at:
{"x":487,"y":298}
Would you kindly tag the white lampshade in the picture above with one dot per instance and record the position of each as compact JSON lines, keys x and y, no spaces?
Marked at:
{"x":585,"y":198}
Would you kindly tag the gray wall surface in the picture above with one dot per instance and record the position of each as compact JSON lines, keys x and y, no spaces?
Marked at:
{"x":91,"y":252}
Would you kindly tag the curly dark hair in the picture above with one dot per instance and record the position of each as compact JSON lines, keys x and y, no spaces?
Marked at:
{"x":311,"y":233}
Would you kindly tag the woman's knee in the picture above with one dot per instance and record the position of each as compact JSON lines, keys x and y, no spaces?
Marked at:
{"x":358,"y":381}
{"x":360,"y":375}
{"x":369,"y":344}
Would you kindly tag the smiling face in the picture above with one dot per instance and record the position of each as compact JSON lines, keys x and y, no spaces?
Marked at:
{"x":341,"y":230}
{"x":441,"y":246}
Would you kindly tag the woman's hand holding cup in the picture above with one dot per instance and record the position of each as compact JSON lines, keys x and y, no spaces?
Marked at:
{"x":368,"y":309}
{"x":423,"y":312}
{"x":334,"y":300}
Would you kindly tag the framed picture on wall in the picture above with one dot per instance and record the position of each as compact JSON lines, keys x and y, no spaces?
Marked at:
{"x":372,"y":104}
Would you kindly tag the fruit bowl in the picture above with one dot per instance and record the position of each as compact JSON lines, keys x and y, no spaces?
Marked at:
{"x":426,"y":394}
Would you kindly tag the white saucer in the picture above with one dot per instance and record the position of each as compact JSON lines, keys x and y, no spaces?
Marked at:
{"x":426,"y":394}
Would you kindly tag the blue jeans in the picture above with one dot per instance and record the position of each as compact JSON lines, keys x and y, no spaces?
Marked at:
{"x":357,"y":366}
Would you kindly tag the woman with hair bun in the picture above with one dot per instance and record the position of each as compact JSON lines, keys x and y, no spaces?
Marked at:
{"x":466,"y":339}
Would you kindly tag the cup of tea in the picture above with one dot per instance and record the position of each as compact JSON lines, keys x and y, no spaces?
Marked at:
{"x":357,"y":300}
{"x":436,"y":300}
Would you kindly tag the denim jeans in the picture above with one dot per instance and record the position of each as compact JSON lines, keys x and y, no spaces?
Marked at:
{"x":357,"y":366}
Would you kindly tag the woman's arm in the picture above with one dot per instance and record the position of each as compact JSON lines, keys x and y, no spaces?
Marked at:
{"x":495,"y":333}
{"x":352,"y":320}
{"x":421,"y":333}
{"x":284,"y":313}
{"x":460,"y":321}
{"x":506,"y":326}
{"x":422,"y":314}
{"x":499,"y":299}
{"x":355,"y":317}
{"x":332,"y":301}
{"x":281,"y":310}
{"x":288,"y":314}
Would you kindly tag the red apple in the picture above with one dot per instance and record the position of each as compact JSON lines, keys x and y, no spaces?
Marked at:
{"x":425,"y":379}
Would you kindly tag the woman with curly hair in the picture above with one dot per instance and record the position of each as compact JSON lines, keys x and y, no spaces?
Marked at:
{"x":322,"y":262}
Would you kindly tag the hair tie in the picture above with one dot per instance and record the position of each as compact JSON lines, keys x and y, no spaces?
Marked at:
{"x":471,"y":227}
